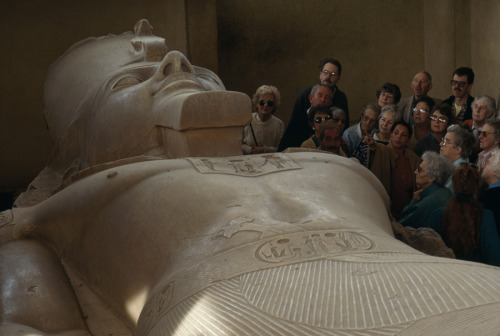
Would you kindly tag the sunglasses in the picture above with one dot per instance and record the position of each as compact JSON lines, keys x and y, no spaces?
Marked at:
{"x":485,"y":134}
{"x":263,"y":102}
{"x":319,"y":120}
{"x":457,"y":83}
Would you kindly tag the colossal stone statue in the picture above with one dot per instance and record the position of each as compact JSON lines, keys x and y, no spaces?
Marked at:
{"x":135,"y":237}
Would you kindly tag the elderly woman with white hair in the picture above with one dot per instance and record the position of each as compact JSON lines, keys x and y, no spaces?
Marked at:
{"x":263,"y":134}
{"x":490,"y":197}
{"x":430,"y":176}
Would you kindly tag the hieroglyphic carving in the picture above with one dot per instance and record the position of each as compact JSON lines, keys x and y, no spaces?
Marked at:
{"x":245,"y":166}
{"x":302,"y":246}
{"x":5,"y":217}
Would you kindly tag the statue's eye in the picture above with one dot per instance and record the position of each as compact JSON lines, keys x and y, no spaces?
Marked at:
{"x":126,"y":82}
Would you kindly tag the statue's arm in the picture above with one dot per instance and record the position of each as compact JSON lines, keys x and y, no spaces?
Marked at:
{"x":36,"y":295}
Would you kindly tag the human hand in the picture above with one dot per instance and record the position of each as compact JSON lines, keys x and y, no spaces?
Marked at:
{"x":416,"y":194}
{"x":368,"y":139}
{"x":257,"y":150}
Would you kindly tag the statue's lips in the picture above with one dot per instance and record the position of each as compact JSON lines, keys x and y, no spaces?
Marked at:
{"x":190,"y":108}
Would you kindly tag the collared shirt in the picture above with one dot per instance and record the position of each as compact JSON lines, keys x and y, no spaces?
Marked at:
{"x":494,"y":185}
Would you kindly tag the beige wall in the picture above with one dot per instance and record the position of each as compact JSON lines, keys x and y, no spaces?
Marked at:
{"x":259,"y":42}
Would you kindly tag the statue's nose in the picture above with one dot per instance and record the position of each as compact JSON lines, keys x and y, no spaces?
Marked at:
{"x":173,"y":63}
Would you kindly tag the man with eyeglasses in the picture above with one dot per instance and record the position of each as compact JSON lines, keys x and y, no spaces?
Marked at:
{"x":298,"y":129}
{"x":420,"y":85}
{"x":489,"y":140}
{"x":461,"y":100}
{"x":456,"y":146}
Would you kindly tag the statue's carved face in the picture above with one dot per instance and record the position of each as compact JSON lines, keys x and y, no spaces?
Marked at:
{"x":106,"y":100}
{"x":133,"y":101}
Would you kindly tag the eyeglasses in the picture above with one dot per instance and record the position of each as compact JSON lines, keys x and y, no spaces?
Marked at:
{"x":484,"y":133}
{"x":457,"y":83}
{"x":338,"y":120}
{"x":420,"y":169}
{"x":439,"y":120}
{"x":319,"y":120}
{"x":370,"y":120}
{"x":421,"y":110}
{"x":444,"y":141}
{"x":270,"y":103}
{"x":328,"y":73}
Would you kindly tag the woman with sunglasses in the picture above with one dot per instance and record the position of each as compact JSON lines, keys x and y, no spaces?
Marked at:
{"x":465,"y":226}
{"x":263,"y":134}
{"x":317,"y":116}
{"x":441,"y":117}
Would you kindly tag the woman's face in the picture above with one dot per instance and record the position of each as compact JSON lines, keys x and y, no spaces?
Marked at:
{"x":385,"y":122}
{"x":400,"y":137}
{"x":421,"y":113}
{"x":319,"y":118}
{"x":266,"y":105}
{"x":480,"y":111}
{"x":340,"y":121}
{"x":421,"y":177}
{"x":439,"y":122}
{"x":385,"y":98}
{"x":489,"y":173}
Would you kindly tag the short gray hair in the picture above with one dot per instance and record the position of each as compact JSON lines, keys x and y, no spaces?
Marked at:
{"x":391,"y":109}
{"x":317,"y":86}
{"x":439,"y":167}
{"x":490,"y":104}
{"x":371,"y":106}
{"x":463,"y":139}
{"x":337,"y":111}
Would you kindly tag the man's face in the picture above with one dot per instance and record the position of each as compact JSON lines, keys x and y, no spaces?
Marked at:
{"x":329,"y":75}
{"x":331,"y":141}
{"x":321,"y":98}
{"x":368,"y":121}
{"x":460,"y":86}
{"x":420,"y":85}
{"x":448,"y":148}
{"x":487,"y":138}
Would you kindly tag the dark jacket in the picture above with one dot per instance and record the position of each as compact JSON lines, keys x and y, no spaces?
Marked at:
{"x":468,"y":112}
{"x":298,"y":129}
